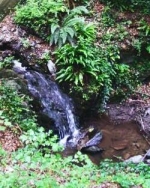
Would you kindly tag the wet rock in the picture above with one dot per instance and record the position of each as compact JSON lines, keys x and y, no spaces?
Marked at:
{"x":89,"y":141}
{"x":148,"y":154}
{"x":14,"y":81}
{"x":148,"y":161}
{"x":92,"y":149}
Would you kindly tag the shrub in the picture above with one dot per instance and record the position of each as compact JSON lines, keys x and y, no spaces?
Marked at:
{"x":65,"y":31}
{"x":15,"y":107}
{"x":51,"y":20}
{"x":38,"y":15}
{"x":92,"y":72}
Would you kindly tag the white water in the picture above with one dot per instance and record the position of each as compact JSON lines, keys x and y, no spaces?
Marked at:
{"x":54,"y":103}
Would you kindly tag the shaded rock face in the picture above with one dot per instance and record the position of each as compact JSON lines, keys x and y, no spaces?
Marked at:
{"x":5,"y":5}
{"x":132,"y":110}
{"x":13,"y":42}
{"x":14,"y":81}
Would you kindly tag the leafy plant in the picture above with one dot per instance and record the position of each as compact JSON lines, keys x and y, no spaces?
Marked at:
{"x":38,"y":15}
{"x":65,"y":31}
{"x":25,"y":42}
{"x":7,"y":62}
{"x":92,"y":72}
{"x":80,"y":65}
{"x":130,"y":5}
{"x":145,"y":27}
{"x":60,"y":35}
{"x":39,"y":162}
{"x":107,"y":17}
{"x":14,"y":107}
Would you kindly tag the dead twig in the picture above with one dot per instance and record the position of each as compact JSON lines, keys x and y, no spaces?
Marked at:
{"x":117,"y":157}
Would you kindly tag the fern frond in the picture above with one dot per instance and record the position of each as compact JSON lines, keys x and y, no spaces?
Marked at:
{"x":54,"y":27}
{"x":74,"y":21}
{"x":70,"y":31}
{"x":63,"y":35}
{"x":79,"y":10}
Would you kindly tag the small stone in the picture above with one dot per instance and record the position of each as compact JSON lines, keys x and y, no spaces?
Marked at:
{"x":4,"y":28}
{"x":148,"y":154}
{"x":136,"y":159}
{"x":126,"y":156}
{"x":148,"y":161}
{"x":13,"y":29}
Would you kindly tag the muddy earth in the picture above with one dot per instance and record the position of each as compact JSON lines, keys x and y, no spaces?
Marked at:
{"x":120,"y":140}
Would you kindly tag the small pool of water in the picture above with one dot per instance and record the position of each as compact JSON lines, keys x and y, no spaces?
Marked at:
{"x":122,"y":140}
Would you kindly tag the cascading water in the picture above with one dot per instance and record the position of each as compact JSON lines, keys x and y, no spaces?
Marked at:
{"x":55,"y":104}
{"x":58,"y":107}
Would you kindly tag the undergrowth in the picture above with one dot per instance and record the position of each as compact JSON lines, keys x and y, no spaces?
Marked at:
{"x":86,"y":51}
{"x":39,"y":163}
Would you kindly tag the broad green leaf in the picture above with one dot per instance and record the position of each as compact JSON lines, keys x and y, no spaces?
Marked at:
{"x":56,"y":36}
{"x":76,"y":80}
{"x":148,"y":49}
{"x":54,"y":27}
{"x":72,"y":22}
{"x":70,"y":31}
{"x":79,"y":10}
{"x":63,"y":35}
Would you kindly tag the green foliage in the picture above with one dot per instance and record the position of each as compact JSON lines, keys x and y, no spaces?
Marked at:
{"x":130,"y":5}
{"x":39,"y":163}
{"x":64,"y":33}
{"x":39,"y":15}
{"x":15,"y":109}
{"x":76,"y":62}
{"x":145,"y":27}
{"x":93,"y":72}
{"x":51,"y":20}
{"x":7,"y":62}
{"x":67,"y":30}
{"x":25,"y":43}
{"x":29,"y":167}
{"x":125,"y":174}
{"x":107,"y":17}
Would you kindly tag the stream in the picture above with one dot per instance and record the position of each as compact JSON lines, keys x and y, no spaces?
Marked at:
{"x":54,"y":104}
{"x":119,"y":140}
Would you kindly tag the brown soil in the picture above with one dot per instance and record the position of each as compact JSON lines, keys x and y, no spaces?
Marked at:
{"x":9,"y":141}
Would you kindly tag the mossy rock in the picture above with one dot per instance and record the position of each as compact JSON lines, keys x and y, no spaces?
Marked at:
{"x":14,"y":81}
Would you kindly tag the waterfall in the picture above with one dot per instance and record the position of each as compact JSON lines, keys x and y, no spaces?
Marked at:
{"x":55,"y":104}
